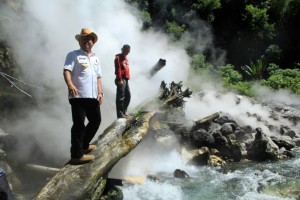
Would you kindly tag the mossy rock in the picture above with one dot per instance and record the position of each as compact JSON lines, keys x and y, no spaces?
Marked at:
{"x":289,"y":189}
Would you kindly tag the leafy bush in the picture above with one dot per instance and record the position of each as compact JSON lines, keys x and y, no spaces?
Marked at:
{"x":207,"y":7}
{"x":284,"y":79}
{"x":256,"y":70}
{"x":272,"y":68}
{"x":229,"y":75}
{"x":200,"y":66}
{"x":258,"y":20}
{"x":175,"y":30}
{"x":233,"y":80}
{"x":198,"y":62}
{"x":147,"y":21}
{"x":244,"y":88}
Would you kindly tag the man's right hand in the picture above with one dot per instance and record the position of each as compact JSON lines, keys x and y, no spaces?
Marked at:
{"x":120,"y":82}
{"x":73,"y":91}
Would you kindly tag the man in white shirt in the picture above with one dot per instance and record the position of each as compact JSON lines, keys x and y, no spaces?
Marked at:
{"x":82,"y":74}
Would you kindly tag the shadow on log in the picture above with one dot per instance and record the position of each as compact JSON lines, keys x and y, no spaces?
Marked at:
{"x":78,"y":182}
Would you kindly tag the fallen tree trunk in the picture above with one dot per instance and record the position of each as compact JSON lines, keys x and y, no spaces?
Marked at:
{"x":88,"y":181}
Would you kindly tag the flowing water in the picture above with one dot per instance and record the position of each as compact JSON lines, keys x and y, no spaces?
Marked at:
{"x":235,"y":181}
{"x":240,"y":181}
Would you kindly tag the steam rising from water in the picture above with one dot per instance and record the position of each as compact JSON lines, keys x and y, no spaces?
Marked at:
{"x":43,"y":36}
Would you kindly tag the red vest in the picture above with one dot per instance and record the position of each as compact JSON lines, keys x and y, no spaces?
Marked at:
{"x":122,"y":67}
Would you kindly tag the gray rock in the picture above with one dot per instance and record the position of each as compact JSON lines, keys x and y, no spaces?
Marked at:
{"x":213,"y":126}
{"x":263,"y":148}
{"x":227,"y":128}
{"x":247,"y":129}
{"x":285,"y":142}
{"x":290,"y":133}
{"x":241,"y":135}
{"x":178,"y":173}
{"x":224,"y":119}
{"x":202,"y":138}
{"x":297,"y":141}
{"x":200,"y":156}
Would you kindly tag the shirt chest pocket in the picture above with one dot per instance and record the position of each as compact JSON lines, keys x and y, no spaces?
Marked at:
{"x":95,"y":64}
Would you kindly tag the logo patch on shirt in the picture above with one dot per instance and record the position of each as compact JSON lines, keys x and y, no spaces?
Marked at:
{"x":84,"y":66}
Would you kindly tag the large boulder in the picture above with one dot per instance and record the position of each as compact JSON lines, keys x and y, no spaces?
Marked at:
{"x":228,"y":128}
{"x":228,"y":146}
{"x":200,"y":156}
{"x":284,"y":141}
{"x":202,"y":138}
{"x":263,"y":148}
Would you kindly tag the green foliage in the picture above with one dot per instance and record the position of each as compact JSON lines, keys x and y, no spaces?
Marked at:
{"x":198,"y":62}
{"x":203,"y":69}
{"x":258,"y":20}
{"x":244,"y":88}
{"x":200,"y":66}
{"x":278,"y":6}
{"x":273,"y":53}
{"x":229,"y":75}
{"x":142,"y":4}
{"x":207,"y":7}
{"x":272,"y":68}
{"x":233,"y":80}
{"x":146,"y":17}
{"x":174,"y":30}
{"x":246,"y":30}
{"x":7,"y":63}
{"x":284,"y":79}
{"x":255,"y":70}
{"x":207,"y":4}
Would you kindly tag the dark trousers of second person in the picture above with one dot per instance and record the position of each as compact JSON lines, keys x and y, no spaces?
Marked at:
{"x":82,"y":135}
{"x":122,"y":98}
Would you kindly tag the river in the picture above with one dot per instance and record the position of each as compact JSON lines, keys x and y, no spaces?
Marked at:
{"x":247,"y":181}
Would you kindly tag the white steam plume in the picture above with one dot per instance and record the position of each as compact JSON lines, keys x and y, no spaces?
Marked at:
{"x":44,"y":34}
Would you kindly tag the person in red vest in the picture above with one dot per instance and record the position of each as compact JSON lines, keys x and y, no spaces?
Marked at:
{"x":122,"y":73}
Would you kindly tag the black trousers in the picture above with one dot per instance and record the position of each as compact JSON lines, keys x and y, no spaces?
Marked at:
{"x":81,"y":134}
{"x":123,"y":97}
{"x":5,"y":192}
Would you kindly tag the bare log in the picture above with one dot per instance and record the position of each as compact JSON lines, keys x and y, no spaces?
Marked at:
{"x":88,"y":181}
{"x":158,"y":66}
{"x":207,"y":118}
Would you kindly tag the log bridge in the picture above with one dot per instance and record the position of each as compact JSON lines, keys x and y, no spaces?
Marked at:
{"x":79,"y":182}
{"x":88,"y":181}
